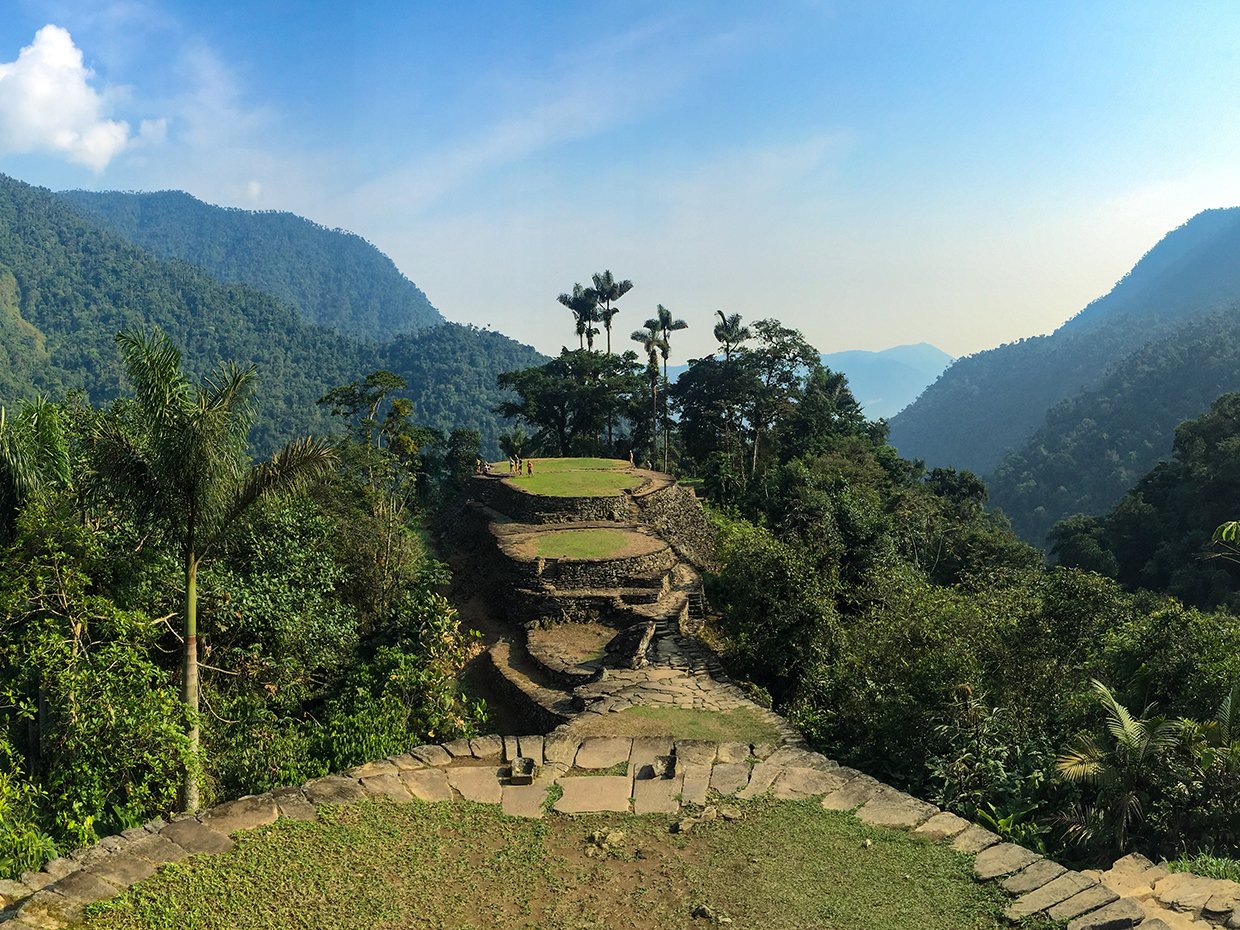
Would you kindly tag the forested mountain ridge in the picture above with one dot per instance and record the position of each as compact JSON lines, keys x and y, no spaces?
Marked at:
{"x":1091,"y":449}
{"x":887,"y":381}
{"x":987,"y":404}
{"x":333,"y":277}
{"x":67,"y":286}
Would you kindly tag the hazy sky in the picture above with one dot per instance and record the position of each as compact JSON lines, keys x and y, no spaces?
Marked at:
{"x":873,"y":173}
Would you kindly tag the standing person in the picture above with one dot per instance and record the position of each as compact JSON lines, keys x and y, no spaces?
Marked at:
{"x":631,"y":463}
{"x":529,"y":467}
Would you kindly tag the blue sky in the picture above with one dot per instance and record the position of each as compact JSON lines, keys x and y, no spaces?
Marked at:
{"x":873,"y":173}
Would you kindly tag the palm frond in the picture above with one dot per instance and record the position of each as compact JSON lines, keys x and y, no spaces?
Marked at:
{"x":1082,"y":762}
{"x":152,"y":366}
{"x":296,"y":465}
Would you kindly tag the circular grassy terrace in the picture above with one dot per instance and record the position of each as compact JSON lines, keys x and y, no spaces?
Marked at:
{"x":779,"y":865}
{"x":574,"y":477}
{"x":588,"y":544}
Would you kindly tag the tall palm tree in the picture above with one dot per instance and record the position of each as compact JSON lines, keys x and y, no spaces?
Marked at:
{"x":652,"y":343}
{"x":608,"y":290}
{"x":583,"y":302}
{"x":730,"y":333}
{"x":33,"y":455}
{"x":667,"y":326}
{"x":184,"y":468}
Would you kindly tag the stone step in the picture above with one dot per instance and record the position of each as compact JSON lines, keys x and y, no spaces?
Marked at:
{"x":547,"y":706}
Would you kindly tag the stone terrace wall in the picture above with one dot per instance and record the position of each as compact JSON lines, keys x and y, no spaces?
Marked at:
{"x":534,"y":508}
{"x":678,"y":517}
{"x":590,"y":573}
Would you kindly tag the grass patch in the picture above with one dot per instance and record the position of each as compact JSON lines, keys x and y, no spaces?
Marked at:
{"x":589,"y":483}
{"x":379,"y":864}
{"x":1207,"y":866}
{"x":582,"y":544}
{"x":728,"y":726}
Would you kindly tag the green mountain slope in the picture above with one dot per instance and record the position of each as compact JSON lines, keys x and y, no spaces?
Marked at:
{"x":987,"y":404}
{"x":1091,"y":449}
{"x":67,"y":286}
{"x":335,"y":278}
{"x":887,"y":381}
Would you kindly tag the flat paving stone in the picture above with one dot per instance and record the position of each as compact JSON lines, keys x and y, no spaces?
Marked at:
{"x":695,"y":751}
{"x":431,"y":754}
{"x":333,"y":789}
{"x":761,"y":778}
{"x":458,"y":749}
{"x":487,"y":747}
{"x":729,"y":777}
{"x":560,"y":747}
{"x":196,"y":838}
{"x":293,"y":804}
{"x":531,"y":747}
{"x":974,"y":840}
{"x":1050,"y":894}
{"x":512,"y":749}
{"x":645,"y":750}
{"x":893,"y":808}
{"x":523,"y":800}
{"x":696,"y":783}
{"x":593,"y":794}
{"x":122,"y":870}
{"x":602,"y":752}
{"x":732,"y":753}
{"x":48,"y":909}
{"x":476,"y":783}
{"x":1082,"y":903}
{"x":1002,"y":859}
{"x":942,"y":827}
{"x":428,"y":784}
{"x":386,"y":785}
{"x":378,"y":767}
{"x":155,"y":849}
{"x":84,"y":887}
{"x":1122,"y":913}
{"x":1033,"y":876}
{"x":852,"y":795}
{"x":406,"y":761}
{"x":797,"y":782}
{"x":657,"y":795}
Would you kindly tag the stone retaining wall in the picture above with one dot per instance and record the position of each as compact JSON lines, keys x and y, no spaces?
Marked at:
{"x":678,"y":517}
{"x":535,"y":508}
{"x":579,"y":574}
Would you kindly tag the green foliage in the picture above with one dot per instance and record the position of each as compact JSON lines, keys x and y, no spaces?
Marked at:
{"x":23,"y":844}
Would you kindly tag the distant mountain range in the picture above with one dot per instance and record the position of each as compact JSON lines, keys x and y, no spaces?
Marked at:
{"x":1066,"y":422}
{"x":70,"y":278}
{"x":885,"y":381}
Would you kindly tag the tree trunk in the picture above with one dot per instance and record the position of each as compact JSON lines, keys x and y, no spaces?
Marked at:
{"x":189,"y":684}
{"x":665,"y":414}
{"x":654,"y":422}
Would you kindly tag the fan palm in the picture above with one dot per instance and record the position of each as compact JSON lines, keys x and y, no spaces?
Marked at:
{"x":184,"y":469}
{"x":583,"y":302}
{"x":33,"y":455}
{"x":1120,"y":765}
{"x":730,"y":333}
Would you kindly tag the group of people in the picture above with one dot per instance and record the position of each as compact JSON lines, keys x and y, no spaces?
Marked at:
{"x":515,"y":463}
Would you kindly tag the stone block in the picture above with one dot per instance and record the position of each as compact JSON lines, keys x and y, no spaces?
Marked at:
{"x":531,"y":747}
{"x":799,"y":782}
{"x":594,"y":793}
{"x":523,"y":800}
{"x":1091,"y":899}
{"x":1187,"y":892}
{"x":729,"y":777}
{"x":602,"y":752}
{"x":458,"y":749}
{"x":11,"y":892}
{"x":1002,"y":859}
{"x":85,"y":887}
{"x":487,"y":747}
{"x":123,"y":869}
{"x":646,"y":749}
{"x":246,"y":813}
{"x":378,"y":767}
{"x":1033,"y":876}
{"x":48,"y":910}
{"x":36,"y":881}
{"x":853,"y":794}
{"x":476,"y":783}
{"x":561,"y":748}
{"x":657,"y":795}
{"x":893,"y":808}
{"x":431,"y":754}
{"x":1050,"y":894}
{"x":333,"y":789}
{"x":512,"y":749}
{"x":156,"y":849}
{"x":62,"y":866}
{"x":293,"y":804}
{"x":406,"y":762}
{"x":695,"y":751}
{"x":761,"y":778}
{"x":696,"y":783}
{"x":386,"y":785}
{"x":1119,"y":915}
{"x":974,"y":839}
{"x":732,"y":753}
{"x":428,"y":784}
{"x":942,"y":827}
{"x":196,"y":838}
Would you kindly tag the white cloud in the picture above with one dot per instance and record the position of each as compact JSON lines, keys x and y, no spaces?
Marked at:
{"x":48,"y":104}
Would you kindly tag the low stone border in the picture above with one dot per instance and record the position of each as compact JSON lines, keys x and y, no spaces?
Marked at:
{"x":662,"y":776}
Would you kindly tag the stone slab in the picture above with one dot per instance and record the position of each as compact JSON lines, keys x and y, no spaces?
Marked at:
{"x":378,"y":767}
{"x":45,"y":910}
{"x":531,"y":747}
{"x":523,"y":800}
{"x":1002,"y":859}
{"x":386,"y":785}
{"x":800,"y":782}
{"x":974,"y":840}
{"x":84,"y":887}
{"x":657,"y":795}
{"x":1120,"y":915}
{"x":1082,"y":903}
{"x":893,"y":808}
{"x":761,"y":779}
{"x":1034,"y":876}
{"x":594,"y":793}
{"x":602,"y":752}
{"x":645,"y":750}
{"x":476,"y":783}
{"x":431,"y":754}
{"x":512,"y":750}
{"x":155,"y":849}
{"x":406,"y":761}
{"x":696,"y":783}
{"x":852,"y":795}
{"x":487,"y":747}
{"x":247,"y":813}
{"x":196,"y":838}
{"x":293,"y":804}
{"x":122,"y":870}
{"x":429,"y":785}
{"x":732,"y":753}
{"x":1185,"y":891}
{"x":458,"y":749}
{"x":333,"y":789}
{"x":695,"y":751}
{"x":1050,"y":894}
{"x":560,"y":747}
{"x":729,"y":777}
{"x":942,"y":826}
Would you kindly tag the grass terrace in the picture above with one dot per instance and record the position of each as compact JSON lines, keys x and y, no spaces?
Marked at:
{"x":590,"y":544}
{"x":731,"y":726}
{"x":574,"y":477}
{"x":781,"y":865}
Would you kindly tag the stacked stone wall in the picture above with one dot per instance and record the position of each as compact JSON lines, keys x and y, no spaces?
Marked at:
{"x":678,"y":517}
{"x":590,"y":573}
{"x":534,"y":508}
